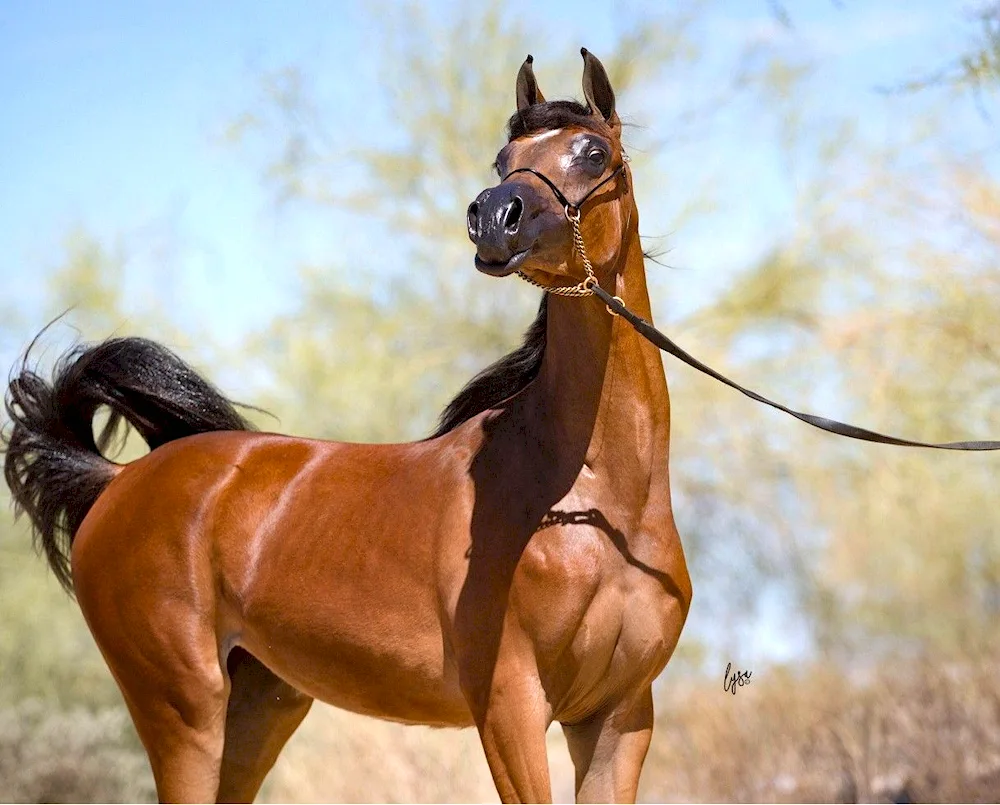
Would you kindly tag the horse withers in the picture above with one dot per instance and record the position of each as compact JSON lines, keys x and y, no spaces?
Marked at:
{"x":520,"y":566}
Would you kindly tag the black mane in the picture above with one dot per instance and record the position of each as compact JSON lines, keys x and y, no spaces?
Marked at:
{"x":548,"y":116}
{"x":501,"y":380}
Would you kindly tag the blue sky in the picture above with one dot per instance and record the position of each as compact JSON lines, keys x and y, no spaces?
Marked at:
{"x":112,"y":123}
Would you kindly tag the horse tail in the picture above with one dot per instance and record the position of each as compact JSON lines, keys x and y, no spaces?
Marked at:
{"x":54,"y":465}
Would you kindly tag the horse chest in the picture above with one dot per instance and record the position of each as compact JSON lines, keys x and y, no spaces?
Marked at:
{"x":602,"y":618}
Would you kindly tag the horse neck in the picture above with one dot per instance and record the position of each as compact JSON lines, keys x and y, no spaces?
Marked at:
{"x":604,"y":387}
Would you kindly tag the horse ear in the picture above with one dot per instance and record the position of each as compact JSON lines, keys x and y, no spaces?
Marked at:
{"x":528,"y":93}
{"x":597,"y":88}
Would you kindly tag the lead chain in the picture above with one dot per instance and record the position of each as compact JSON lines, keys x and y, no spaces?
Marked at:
{"x":584,"y":288}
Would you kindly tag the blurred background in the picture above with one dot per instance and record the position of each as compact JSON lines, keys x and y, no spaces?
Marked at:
{"x":277,"y":192}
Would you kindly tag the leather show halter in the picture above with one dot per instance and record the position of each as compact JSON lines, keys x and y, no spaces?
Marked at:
{"x":616,"y":307}
{"x":572,"y":212}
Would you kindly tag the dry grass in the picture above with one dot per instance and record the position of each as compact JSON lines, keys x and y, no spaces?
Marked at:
{"x":341,"y":757}
{"x":51,"y":755}
{"x":916,"y":731}
{"x":908,"y":731}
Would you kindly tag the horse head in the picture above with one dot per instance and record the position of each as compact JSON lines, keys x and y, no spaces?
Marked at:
{"x":562,"y":172}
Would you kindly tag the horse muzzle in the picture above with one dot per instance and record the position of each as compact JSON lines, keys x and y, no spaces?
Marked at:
{"x":503,"y":223}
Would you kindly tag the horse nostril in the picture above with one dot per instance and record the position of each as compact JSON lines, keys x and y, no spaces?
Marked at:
{"x":472,"y":219}
{"x":513,"y":217}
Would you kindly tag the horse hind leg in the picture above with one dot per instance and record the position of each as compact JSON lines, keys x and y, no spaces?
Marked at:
{"x":262,"y":713}
{"x":211,"y":736}
{"x":163,"y":652}
{"x":185,"y":757}
{"x":178,"y":705}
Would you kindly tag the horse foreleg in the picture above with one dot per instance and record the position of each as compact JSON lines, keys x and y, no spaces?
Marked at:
{"x":263,"y":712}
{"x":609,"y":748}
{"x":512,"y":728}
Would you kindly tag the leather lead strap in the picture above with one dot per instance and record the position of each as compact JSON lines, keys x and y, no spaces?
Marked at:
{"x":658,"y":339}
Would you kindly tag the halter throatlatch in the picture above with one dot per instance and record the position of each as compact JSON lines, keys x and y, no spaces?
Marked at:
{"x":572,"y":212}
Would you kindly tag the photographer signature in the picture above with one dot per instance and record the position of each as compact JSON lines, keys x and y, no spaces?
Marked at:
{"x":734,"y":679}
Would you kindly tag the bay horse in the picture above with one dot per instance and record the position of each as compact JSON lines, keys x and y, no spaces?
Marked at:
{"x":520,"y":566}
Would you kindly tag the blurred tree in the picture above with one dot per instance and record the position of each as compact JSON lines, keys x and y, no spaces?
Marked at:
{"x":449,"y":109}
{"x":46,"y":650}
{"x":881,"y":308}
{"x":978,"y":68}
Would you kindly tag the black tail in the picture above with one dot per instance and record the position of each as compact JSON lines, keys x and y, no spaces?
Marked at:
{"x":53,"y":463}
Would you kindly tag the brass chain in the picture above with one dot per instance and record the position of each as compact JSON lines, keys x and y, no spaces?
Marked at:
{"x":584,"y":288}
{"x":572,"y":212}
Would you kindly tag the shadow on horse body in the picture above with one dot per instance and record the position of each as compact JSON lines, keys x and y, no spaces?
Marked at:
{"x":520,"y":566}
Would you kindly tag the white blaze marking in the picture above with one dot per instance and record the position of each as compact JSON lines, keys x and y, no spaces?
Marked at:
{"x":545,"y":135}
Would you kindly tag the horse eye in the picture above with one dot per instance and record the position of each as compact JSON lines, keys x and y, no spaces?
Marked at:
{"x":496,"y":167}
{"x":596,"y":157}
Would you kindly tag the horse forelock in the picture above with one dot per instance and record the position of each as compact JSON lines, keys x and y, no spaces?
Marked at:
{"x":548,"y":116}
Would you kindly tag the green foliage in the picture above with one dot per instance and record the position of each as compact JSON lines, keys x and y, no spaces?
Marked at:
{"x":46,"y":650}
{"x":88,"y":285}
{"x":342,"y":349}
{"x":879,"y":546}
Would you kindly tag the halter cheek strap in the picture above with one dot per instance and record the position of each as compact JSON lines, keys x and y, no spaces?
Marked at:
{"x":569,"y":205}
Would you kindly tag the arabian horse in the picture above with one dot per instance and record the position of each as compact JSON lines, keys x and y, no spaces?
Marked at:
{"x":518,"y":567}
